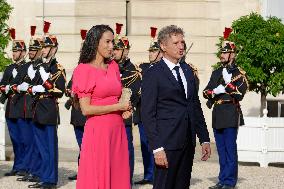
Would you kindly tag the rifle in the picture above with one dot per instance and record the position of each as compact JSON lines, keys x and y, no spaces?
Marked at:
{"x":182,"y":59}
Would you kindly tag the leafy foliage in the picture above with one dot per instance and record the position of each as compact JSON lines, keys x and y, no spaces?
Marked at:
{"x":5,"y":10}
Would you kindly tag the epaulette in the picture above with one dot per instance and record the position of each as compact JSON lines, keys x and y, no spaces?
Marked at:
{"x":60,"y":67}
{"x":137,"y":68}
{"x":59,"y":72}
{"x":194,"y":69}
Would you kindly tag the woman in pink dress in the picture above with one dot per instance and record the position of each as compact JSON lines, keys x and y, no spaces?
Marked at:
{"x":104,"y":160}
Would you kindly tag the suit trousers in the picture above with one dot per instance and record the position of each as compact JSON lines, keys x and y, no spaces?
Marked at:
{"x":178,"y":174}
{"x":36,"y":160}
{"x":228,"y":155}
{"x":147,"y":154}
{"x":47,"y":144}
{"x":28,"y":142}
{"x":79,"y":131}
{"x":17,"y":143}
{"x":130,"y":149}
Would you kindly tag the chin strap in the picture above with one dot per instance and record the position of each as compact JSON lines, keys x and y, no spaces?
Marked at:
{"x":19,"y":57}
{"x":156,"y":57}
{"x":120,"y":59}
{"x":51,"y":57}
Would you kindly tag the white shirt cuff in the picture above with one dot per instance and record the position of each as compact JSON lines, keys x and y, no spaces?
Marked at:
{"x":158,"y":150}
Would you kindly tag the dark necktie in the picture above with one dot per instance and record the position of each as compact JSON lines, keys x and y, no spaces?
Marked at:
{"x":176,"y":68}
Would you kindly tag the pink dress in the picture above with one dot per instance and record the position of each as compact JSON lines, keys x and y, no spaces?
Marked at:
{"x":104,"y":162}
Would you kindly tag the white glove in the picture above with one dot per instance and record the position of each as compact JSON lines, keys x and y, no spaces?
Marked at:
{"x":31,"y":72}
{"x":23,"y":87}
{"x":227,"y":77}
{"x":43,"y":74}
{"x":219,"y":90}
{"x":38,"y":89}
{"x":7,"y":89}
{"x":14,"y":72}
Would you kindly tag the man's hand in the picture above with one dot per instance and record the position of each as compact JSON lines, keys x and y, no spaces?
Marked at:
{"x":38,"y":89}
{"x":161,"y":159}
{"x":219,"y":90}
{"x":206,"y":151}
{"x":23,"y":87}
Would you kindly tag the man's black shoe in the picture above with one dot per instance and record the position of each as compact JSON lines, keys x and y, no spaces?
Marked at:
{"x":73,"y":177}
{"x":143,"y":182}
{"x":33,"y":178}
{"x":227,"y":187}
{"x":21,"y":173}
{"x":36,"y":185}
{"x":24,"y":178}
{"x":217,"y":186}
{"x":11,"y":173}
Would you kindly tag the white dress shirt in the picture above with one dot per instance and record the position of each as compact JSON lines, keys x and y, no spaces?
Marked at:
{"x":171,"y":66}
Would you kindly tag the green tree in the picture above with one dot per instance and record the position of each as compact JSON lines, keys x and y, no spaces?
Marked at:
{"x":5,"y":10}
{"x":260,"y":48}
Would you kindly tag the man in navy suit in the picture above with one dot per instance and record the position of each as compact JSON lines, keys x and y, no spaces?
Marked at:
{"x":172,"y":114}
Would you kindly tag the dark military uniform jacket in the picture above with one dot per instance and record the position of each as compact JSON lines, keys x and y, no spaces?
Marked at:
{"x":143,"y":69}
{"x":45,"y":108}
{"x":131,"y":78}
{"x":145,"y":66}
{"x":77,"y":118}
{"x":25,"y":99}
{"x":15,"y":105}
{"x":226,"y":111}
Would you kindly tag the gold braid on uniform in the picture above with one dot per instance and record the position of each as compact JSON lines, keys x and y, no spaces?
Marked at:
{"x":245,"y":79}
{"x":136,"y":74}
{"x":55,"y":76}
{"x":242,"y":76}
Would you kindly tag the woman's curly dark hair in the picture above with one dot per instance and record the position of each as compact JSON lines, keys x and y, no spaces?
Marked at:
{"x":91,"y":43}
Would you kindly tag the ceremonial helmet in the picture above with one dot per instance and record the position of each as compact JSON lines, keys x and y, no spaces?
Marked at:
{"x":18,"y":45}
{"x":35,"y":43}
{"x":154,"y":46}
{"x":49,"y":40}
{"x":120,"y":42}
{"x":228,"y":46}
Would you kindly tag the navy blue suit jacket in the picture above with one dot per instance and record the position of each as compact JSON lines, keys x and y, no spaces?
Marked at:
{"x":170,"y":119}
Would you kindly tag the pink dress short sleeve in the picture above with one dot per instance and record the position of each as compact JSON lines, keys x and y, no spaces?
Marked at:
{"x":83,"y":82}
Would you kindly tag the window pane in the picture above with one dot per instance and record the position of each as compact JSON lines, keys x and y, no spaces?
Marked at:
{"x":272,"y":107}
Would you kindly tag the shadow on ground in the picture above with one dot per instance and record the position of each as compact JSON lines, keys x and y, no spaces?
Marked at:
{"x":64,"y":174}
{"x":4,"y":169}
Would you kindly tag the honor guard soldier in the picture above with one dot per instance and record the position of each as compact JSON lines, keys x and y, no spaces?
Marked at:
{"x":226,"y":88}
{"x":155,"y":55}
{"x":47,"y":86}
{"x":78,"y":120}
{"x":130,"y":78}
{"x":15,"y":106}
{"x":32,"y":156}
